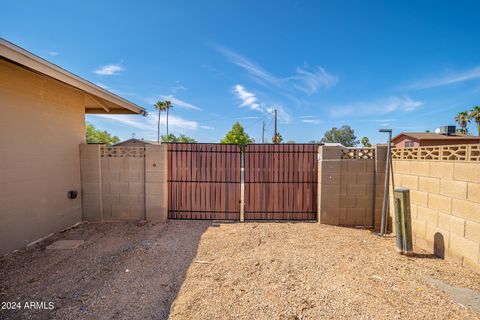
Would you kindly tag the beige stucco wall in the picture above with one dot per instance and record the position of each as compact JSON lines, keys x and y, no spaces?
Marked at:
{"x":41,"y":125}
{"x":445,"y":206}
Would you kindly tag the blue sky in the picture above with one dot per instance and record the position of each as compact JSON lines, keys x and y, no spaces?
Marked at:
{"x":407,"y":65}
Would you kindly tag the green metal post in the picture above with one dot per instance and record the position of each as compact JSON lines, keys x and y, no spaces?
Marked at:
{"x":403,"y":219}
{"x":398,"y":225}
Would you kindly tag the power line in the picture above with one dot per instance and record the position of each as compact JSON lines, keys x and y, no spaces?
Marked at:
{"x":275,"y":138}
{"x":263,"y":131}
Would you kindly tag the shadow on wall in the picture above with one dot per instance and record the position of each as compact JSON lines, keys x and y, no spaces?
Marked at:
{"x":122,"y":271}
{"x":439,"y":245}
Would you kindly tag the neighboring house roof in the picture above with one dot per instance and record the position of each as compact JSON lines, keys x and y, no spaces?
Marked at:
{"x":97,"y":99}
{"x":333,"y":144}
{"x":419,"y":136}
{"x":136,"y":141}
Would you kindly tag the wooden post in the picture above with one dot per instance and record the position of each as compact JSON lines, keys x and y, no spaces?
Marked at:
{"x":242,"y":185}
{"x":403,"y":219}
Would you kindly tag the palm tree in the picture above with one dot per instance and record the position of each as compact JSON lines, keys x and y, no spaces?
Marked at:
{"x":462,"y":119}
{"x":475,"y":115}
{"x":162,"y":106}
{"x":168,"y":105}
{"x":159,"y":105}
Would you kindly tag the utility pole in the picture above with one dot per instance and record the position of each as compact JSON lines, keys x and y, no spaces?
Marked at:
{"x":263,"y":131}
{"x":275,"y":135}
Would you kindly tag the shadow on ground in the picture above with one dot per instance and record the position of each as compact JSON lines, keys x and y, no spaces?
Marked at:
{"x":121,"y":272}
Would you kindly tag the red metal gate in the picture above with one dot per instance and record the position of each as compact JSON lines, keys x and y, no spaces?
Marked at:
{"x":281,"y":181}
{"x":204,"y":181}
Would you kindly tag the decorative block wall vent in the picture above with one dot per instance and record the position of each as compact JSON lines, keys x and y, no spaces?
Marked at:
{"x":358,"y":153}
{"x":465,"y":152}
{"x":122,"y":152}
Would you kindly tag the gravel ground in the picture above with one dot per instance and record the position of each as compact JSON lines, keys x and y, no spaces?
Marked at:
{"x":203,"y":270}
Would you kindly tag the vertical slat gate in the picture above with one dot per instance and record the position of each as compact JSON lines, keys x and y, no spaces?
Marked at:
{"x":203,"y":181}
{"x":281,"y":181}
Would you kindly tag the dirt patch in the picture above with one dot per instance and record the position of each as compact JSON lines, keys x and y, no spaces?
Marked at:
{"x":311,"y":271}
{"x":200,"y":270}
{"x":92,"y":282}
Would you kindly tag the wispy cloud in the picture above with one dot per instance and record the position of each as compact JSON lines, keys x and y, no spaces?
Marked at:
{"x":104,"y":86}
{"x":119,"y":92}
{"x":250,"y":100}
{"x":109,"y":70}
{"x":178,"y":88}
{"x":176,"y":102}
{"x":248,"y":118}
{"x":309,"y":80}
{"x":180,"y":103}
{"x":305,"y":79}
{"x":384,"y":106}
{"x":247,"y":99}
{"x":447,"y":79}
{"x":253,"y":69}
{"x":310,"y":119}
{"x":149,"y":123}
{"x":53,"y":53}
{"x":370,"y":119}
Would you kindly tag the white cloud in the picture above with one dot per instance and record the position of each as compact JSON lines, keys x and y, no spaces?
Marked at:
{"x":250,"y":100}
{"x":108,"y":70}
{"x":248,"y":118}
{"x":207,"y":127}
{"x":149,"y":123}
{"x":305,"y":79}
{"x":384,"y":106}
{"x":104,"y":86}
{"x":180,"y":103}
{"x":175,"y":102}
{"x":311,"y":121}
{"x":53,"y":53}
{"x":452,"y":78}
{"x":178,"y":88}
{"x":248,"y":65}
{"x":118,"y":92}
{"x":309,"y":80}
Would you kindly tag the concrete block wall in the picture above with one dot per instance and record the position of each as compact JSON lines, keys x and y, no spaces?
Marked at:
{"x":156,"y":186}
{"x":123,"y":188}
{"x":348,"y":191}
{"x":123,"y":183}
{"x":445,"y":207}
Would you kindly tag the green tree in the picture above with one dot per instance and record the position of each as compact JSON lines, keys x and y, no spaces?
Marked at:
{"x":462,"y":119}
{"x":98,"y":136}
{"x":181,"y":138}
{"x":366,"y":142}
{"x":279,"y":138}
{"x":162,"y":106}
{"x":237,"y":135}
{"x":186,"y":139}
{"x":344,"y":135}
{"x":475,"y":116}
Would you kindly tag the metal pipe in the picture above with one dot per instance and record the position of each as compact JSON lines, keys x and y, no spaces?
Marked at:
{"x":383,"y":225}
